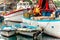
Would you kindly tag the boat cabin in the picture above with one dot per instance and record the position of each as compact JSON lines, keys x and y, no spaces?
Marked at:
{"x":23,"y":5}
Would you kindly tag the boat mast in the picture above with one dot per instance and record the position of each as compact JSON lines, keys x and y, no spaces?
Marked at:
{"x":4,"y":5}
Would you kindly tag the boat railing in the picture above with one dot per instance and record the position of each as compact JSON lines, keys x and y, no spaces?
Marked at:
{"x":12,"y":12}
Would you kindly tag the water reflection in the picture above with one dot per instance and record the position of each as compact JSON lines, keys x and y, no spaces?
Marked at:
{"x":18,"y":37}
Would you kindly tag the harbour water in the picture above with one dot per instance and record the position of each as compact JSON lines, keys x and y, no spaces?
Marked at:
{"x":17,"y":37}
{"x":23,"y":37}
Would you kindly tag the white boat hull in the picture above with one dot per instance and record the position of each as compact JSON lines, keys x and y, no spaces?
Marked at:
{"x":14,"y":16}
{"x":25,"y":31}
{"x":50,"y":27}
{"x":53,"y":28}
{"x":7,"y":34}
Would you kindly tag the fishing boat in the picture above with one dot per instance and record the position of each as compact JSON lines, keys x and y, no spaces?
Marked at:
{"x":48,"y":22}
{"x":49,"y":26}
{"x":7,"y":31}
{"x":26,"y":29}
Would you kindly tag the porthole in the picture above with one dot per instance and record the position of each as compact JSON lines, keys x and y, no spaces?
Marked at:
{"x":52,"y":26}
{"x":38,"y":25}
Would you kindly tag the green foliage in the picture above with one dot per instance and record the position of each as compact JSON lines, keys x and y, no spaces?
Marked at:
{"x":57,"y":3}
{"x":18,"y":0}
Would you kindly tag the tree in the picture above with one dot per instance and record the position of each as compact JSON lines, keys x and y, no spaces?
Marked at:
{"x":57,"y":3}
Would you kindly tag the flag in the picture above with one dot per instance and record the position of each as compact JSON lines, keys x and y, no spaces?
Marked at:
{"x":40,"y":2}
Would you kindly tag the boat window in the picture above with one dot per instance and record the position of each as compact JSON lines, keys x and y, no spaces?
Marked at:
{"x":20,"y":3}
{"x":27,"y":3}
{"x":52,"y":26}
{"x":24,"y":3}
